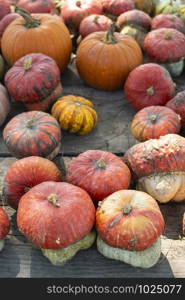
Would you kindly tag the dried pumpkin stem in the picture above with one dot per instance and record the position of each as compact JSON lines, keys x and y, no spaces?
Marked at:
{"x":29,"y":123}
{"x":101,"y":164}
{"x":150,"y":91}
{"x":30,"y":21}
{"x":153,"y":118}
{"x":53,"y":198}
{"x":109,"y":36}
{"x":127,"y":209}
{"x":27,"y":64}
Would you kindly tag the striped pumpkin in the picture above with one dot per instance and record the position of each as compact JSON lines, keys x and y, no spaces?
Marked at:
{"x":154,"y":121}
{"x":75,"y":114}
{"x":33,"y":133}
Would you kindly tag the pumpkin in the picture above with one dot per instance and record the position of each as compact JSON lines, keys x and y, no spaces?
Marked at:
{"x":34,"y":80}
{"x":4,"y":226}
{"x":166,"y":46}
{"x":75,"y":114}
{"x":94,"y":59}
{"x":25,"y":173}
{"x":46,"y":34}
{"x":181,"y":12}
{"x":74,"y":11}
{"x":149,"y":85}
{"x":2,"y":67}
{"x":4,"y":8}
{"x":158,"y":165}
{"x":6,"y":20}
{"x":129,"y":224}
{"x":98,"y":172}
{"x":117,"y":7}
{"x":134,"y":18}
{"x":136,"y":33}
{"x":177,"y":103}
{"x":4,"y":104}
{"x":167,"y":7}
{"x":33,"y":133}
{"x":168,"y":21}
{"x":37,"y":6}
{"x":58,"y":217}
{"x":145,"y":5}
{"x":94,"y":23}
{"x":154,"y":121}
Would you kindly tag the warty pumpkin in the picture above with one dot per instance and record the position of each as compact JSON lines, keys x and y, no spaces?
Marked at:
{"x":95,"y":59}
{"x":75,"y":114}
{"x":4,"y":226}
{"x":154,"y":121}
{"x":37,"y":33}
{"x":158,"y":166}
{"x":129,"y":225}
{"x":33,"y":133}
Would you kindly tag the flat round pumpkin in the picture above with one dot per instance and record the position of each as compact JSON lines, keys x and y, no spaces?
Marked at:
{"x":177,"y":103}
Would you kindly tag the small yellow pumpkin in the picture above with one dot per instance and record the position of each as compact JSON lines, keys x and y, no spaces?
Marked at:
{"x":75,"y":114}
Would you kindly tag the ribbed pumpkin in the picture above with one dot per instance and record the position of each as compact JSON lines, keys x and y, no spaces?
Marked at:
{"x":167,"y":7}
{"x":37,"y":6}
{"x":75,"y":114}
{"x":178,"y":105}
{"x":154,"y":121}
{"x":4,"y":22}
{"x":4,"y":104}
{"x":34,"y":80}
{"x":94,"y":23}
{"x":4,"y":8}
{"x":4,"y":226}
{"x":168,"y":21}
{"x":95,"y":62}
{"x":33,"y":133}
{"x":117,"y":7}
{"x":47,"y":34}
{"x":25,"y":173}
{"x":135,"y":18}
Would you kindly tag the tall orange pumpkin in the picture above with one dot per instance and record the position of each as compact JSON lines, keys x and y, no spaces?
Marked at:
{"x":37,"y":33}
{"x":104,"y":60}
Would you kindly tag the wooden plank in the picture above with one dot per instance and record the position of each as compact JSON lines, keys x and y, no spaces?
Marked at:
{"x":115,"y":114}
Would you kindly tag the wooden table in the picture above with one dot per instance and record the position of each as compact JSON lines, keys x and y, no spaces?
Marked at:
{"x":20,"y":259}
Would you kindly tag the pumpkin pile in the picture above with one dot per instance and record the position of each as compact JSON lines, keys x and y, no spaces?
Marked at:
{"x":136,"y":46}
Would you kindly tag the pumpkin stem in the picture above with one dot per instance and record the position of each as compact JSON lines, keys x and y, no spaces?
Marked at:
{"x":78,"y":3}
{"x":109,"y":35}
{"x":100,"y":164}
{"x":127,"y":209}
{"x":168,"y":36}
{"x":27,"y":64}
{"x":30,"y":21}
{"x":53,"y":198}
{"x":153,"y":118}
{"x":96,"y":19}
{"x":150,"y":91}
{"x":29,"y":124}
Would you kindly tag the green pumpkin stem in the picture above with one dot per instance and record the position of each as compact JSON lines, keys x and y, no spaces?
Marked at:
{"x":30,"y":22}
{"x":127,"y":209}
{"x":150,"y":91}
{"x":109,"y":35}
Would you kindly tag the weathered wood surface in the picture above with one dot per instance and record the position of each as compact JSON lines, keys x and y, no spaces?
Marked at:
{"x":115,"y":114}
{"x":20,"y":259}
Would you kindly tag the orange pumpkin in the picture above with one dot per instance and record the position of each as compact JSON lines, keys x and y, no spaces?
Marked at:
{"x":37,"y":33}
{"x":104,"y":60}
{"x":154,"y":121}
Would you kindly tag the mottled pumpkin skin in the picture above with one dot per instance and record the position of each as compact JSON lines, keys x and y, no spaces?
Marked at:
{"x":154,"y":121}
{"x":32,"y":133}
{"x":75,"y":114}
{"x":147,"y":85}
{"x":51,"y":38}
{"x":117,"y":7}
{"x":94,"y":23}
{"x":178,"y":105}
{"x":4,"y":104}
{"x":98,"y":172}
{"x":57,"y":224}
{"x":159,"y":167}
{"x":165,"y":45}
{"x":96,"y":66}
{"x":4,"y":8}
{"x":135,"y":18}
{"x":168,"y":21}
{"x":24,"y":174}
{"x":38,"y":74}
{"x":39,"y":6}
{"x":4,"y":224}
{"x":129,"y":219}
{"x":145,"y":5}
{"x":73,"y":11}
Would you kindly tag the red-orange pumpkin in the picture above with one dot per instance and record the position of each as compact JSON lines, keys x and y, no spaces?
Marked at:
{"x":40,"y":77}
{"x":117,"y":7}
{"x":4,"y":22}
{"x":37,"y":6}
{"x":4,"y":224}
{"x":25,"y":173}
{"x":94,"y":23}
{"x":98,"y":172}
{"x":33,"y":133}
{"x":168,"y":21}
{"x":154,"y":121}
{"x":4,"y":8}
{"x":178,"y":105}
{"x":135,"y":18}
{"x":147,"y":85}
